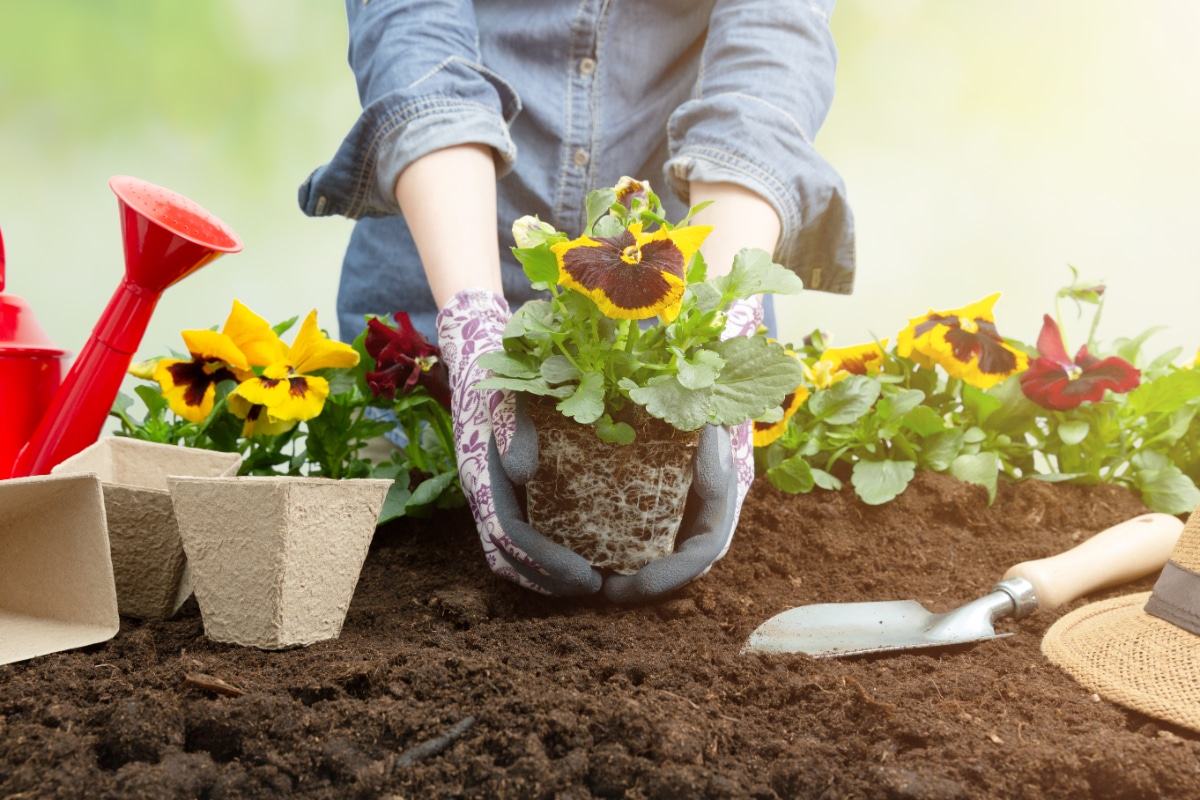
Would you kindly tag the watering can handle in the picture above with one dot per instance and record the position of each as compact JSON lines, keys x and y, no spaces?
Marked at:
{"x":1116,"y":555}
{"x":1,"y":262}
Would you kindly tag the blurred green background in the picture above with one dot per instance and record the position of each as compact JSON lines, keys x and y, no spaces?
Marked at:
{"x":985,"y":146}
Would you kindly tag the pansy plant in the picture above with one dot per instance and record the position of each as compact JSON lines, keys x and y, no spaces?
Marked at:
{"x":303,"y":408}
{"x":632,"y":319}
{"x":955,"y":396}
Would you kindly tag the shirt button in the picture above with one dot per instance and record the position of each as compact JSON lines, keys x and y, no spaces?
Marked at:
{"x":581,"y":158}
{"x":587,"y":66}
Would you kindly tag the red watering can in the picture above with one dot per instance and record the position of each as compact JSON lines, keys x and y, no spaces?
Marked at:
{"x":167,"y":237}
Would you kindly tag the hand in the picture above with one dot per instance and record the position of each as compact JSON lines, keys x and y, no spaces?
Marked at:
{"x":470,"y":324}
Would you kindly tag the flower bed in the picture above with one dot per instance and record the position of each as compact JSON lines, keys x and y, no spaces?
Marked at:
{"x":532,"y":697}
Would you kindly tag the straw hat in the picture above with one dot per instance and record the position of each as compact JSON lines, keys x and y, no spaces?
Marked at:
{"x":1142,"y":651}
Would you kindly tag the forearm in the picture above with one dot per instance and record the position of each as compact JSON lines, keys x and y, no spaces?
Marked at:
{"x":740,"y":219}
{"x":448,"y":198}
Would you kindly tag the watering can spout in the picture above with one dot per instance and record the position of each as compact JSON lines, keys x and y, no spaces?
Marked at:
{"x":166,"y":238}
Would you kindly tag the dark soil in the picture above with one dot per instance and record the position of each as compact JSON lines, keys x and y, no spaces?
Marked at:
{"x":549,"y":699}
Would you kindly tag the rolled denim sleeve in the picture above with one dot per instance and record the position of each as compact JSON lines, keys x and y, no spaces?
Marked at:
{"x":422,"y":88}
{"x":764,"y":89}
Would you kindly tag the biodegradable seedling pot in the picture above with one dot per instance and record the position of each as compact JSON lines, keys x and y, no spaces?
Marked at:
{"x":275,"y":559}
{"x":56,"y":578}
{"x":147,"y":555}
{"x":619,"y":506}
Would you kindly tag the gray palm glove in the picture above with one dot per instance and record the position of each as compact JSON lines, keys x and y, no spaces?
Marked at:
{"x":707,"y":526}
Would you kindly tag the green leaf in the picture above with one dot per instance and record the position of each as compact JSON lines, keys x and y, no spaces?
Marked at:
{"x":757,"y":376}
{"x":877,"y":482}
{"x":754,"y":272}
{"x":826,"y":481}
{"x":1165,"y":394}
{"x":1073,"y":431}
{"x":284,"y":326}
{"x":979,"y":404}
{"x":663,"y":397}
{"x":902,"y":402}
{"x":586,"y":404}
{"x":428,"y":490}
{"x":793,"y":476}
{"x":607,"y":227}
{"x":508,"y":365}
{"x":559,"y":369}
{"x":701,"y":371}
{"x":1167,"y":490}
{"x":537,"y":386}
{"x":846,"y":401}
{"x":531,"y":319}
{"x":698,"y":270}
{"x":924,"y":421}
{"x":940,"y":450}
{"x":156,"y":404}
{"x":1131,"y":349}
{"x":618,"y":433}
{"x":980,"y":468}
{"x":598,"y":203}
{"x":393,"y":505}
{"x":539,"y":263}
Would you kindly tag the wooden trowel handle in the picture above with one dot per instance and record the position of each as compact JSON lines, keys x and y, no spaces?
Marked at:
{"x":1113,"y":556}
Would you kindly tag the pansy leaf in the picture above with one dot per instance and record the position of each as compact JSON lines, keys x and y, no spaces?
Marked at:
{"x":394,"y":503}
{"x":156,"y":404}
{"x":1073,"y":431}
{"x":665,"y":398}
{"x":598,"y":204}
{"x":540,"y":265}
{"x":698,"y":270}
{"x":877,"y":482}
{"x":940,"y":450}
{"x":979,"y":403}
{"x":284,"y":327}
{"x":529,"y":320}
{"x":826,"y":481}
{"x":754,"y":273}
{"x":1163,"y":485}
{"x":902,"y":402}
{"x":510,"y":365}
{"x":793,"y":475}
{"x":707,"y":297}
{"x":980,"y":468}
{"x":537,"y":386}
{"x":614,"y":433}
{"x":757,"y":376}
{"x":559,"y":369}
{"x":607,"y":227}
{"x":846,"y":401}
{"x":924,"y":421}
{"x":1165,"y":394}
{"x":586,"y":403}
{"x":701,"y":371}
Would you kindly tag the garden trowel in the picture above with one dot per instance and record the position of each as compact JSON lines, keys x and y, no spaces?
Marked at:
{"x":1118,"y":554}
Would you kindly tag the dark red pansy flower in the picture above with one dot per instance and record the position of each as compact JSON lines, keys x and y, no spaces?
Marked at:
{"x":1057,"y":382}
{"x":403,"y":359}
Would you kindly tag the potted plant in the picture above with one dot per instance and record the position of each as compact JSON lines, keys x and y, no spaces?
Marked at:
{"x":275,"y":552}
{"x":622,"y":366}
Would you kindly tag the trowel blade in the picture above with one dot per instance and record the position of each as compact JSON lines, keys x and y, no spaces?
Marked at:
{"x":830,"y":630}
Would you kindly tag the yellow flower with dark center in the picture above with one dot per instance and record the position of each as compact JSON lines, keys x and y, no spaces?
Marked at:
{"x":246,"y":340}
{"x":286,"y":390}
{"x":633,"y":275}
{"x":860,"y":359}
{"x":767,"y":432}
{"x":964,"y":342}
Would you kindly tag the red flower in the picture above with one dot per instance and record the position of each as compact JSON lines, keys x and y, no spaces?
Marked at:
{"x":1056,"y":382}
{"x":404,"y":359}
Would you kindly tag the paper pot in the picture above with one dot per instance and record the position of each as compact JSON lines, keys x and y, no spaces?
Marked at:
{"x":56,"y":578}
{"x":275,"y":560}
{"x":619,"y":506}
{"x":147,"y":555}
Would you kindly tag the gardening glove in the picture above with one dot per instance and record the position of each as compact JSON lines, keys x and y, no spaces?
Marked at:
{"x":470,"y":324}
{"x":722,"y":471}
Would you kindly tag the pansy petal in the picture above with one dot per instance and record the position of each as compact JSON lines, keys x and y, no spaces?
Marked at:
{"x":767,"y":432}
{"x":313,"y":350}
{"x":612,"y":272}
{"x":213,"y":346}
{"x":189,"y":386}
{"x":1050,"y":341}
{"x":859,"y":359}
{"x":253,"y":336}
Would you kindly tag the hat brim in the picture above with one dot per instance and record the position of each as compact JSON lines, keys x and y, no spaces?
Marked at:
{"x":1127,"y":656}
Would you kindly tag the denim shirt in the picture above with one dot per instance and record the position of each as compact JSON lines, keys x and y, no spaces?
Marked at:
{"x":571,"y":96}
